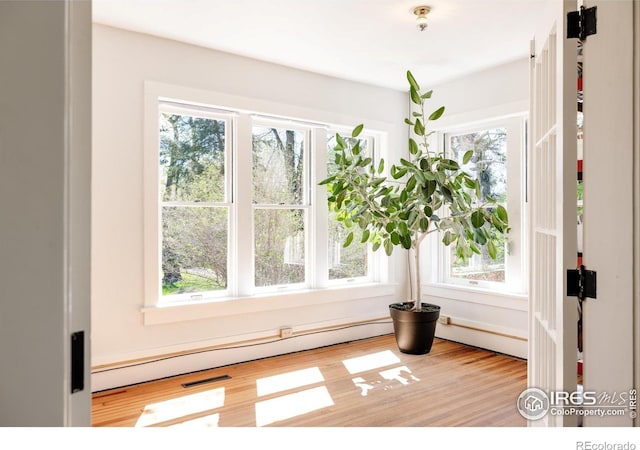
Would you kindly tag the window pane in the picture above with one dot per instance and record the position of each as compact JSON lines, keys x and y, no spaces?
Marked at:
{"x":191,"y":158}
{"x":194,"y":249}
{"x":279,"y":247}
{"x":488,"y":164}
{"x":344,"y":262}
{"x":352,"y":261}
{"x":278,"y":166}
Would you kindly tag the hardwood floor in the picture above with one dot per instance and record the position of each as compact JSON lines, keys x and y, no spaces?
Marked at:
{"x":367,"y":383}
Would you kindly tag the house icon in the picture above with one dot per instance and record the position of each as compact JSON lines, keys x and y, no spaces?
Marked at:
{"x":533,"y":404}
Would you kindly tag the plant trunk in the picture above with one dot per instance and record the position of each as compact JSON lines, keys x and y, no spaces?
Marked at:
{"x":417,"y":304}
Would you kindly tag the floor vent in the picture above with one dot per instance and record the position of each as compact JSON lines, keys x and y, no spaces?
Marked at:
{"x":205,"y":381}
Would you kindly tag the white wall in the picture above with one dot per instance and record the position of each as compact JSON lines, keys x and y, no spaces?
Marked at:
{"x":123,"y":61}
{"x":480,"y":318}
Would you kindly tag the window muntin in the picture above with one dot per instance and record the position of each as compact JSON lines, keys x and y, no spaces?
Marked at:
{"x":194,"y":202}
{"x":352,"y":262}
{"x":280,"y":204}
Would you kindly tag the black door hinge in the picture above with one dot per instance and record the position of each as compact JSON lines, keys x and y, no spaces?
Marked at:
{"x":581,"y":283}
{"x":582,"y":23}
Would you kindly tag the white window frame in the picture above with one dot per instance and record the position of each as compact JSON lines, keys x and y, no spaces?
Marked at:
{"x":373,"y":259}
{"x":242,"y":296}
{"x":516,"y":252}
{"x":306,"y":205}
{"x":173,"y":107}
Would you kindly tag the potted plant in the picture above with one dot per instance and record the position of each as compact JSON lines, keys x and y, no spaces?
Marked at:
{"x":424,"y":194}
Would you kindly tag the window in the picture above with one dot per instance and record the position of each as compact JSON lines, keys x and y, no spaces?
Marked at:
{"x":194,"y":200}
{"x":233,"y":209}
{"x":498,"y":154}
{"x":353,"y":262}
{"x":280,"y":204}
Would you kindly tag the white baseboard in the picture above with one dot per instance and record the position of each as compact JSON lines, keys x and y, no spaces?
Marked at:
{"x":484,"y":336}
{"x":109,"y":377}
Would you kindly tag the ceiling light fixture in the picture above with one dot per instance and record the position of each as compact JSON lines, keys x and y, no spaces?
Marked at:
{"x":421,"y":16}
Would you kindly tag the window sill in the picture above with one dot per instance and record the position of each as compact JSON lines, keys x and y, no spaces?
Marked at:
{"x":231,"y":306}
{"x":470,"y":294}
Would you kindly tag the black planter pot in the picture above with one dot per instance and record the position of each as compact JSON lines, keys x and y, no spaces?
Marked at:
{"x":414,"y":331}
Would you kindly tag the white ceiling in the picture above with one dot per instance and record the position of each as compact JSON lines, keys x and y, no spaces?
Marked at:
{"x":371,"y":41}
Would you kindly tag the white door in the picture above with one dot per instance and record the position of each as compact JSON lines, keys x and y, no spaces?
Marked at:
{"x":45,"y":187}
{"x":552,"y":166}
{"x":608,"y":331}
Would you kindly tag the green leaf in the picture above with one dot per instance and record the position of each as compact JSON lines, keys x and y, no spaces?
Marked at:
{"x":397,"y":172}
{"x":349,"y":239}
{"x":427,"y":94}
{"x":449,"y":164}
{"x":474,"y":248}
{"x":429,"y":175}
{"x":437,"y":113}
{"x":376,"y":246}
{"x":447,"y":193}
{"x":408,"y":122}
{"x":327,"y":180}
{"x":388,"y":247}
{"x":428,"y":211}
{"x":406,"y":163}
{"x":390,"y":227}
{"x":469,"y":183}
{"x":418,"y":128}
{"x":395,"y":238}
{"x":477,"y":219}
{"x":412,"y":81}
{"x":429,"y":188}
{"x":467,"y":156}
{"x":357,"y":130}
{"x":381,"y":166}
{"x":491,"y":248}
{"x":448,"y":238}
{"x":365,"y":236}
{"x":424,"y":224}
{"x":340,"y":140}
{"x":411,"y":184}
{"x":480,"y":237}
{"x":502,"y":214}
{"x":402,"y":228}
{"x":413,"y":147}
{"x":415,"y":97}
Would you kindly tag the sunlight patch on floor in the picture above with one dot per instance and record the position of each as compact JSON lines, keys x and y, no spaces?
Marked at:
{"x":180,"y":407}
{"x":292,"y":405}
{"x":364,"y":386}
{"x":289,"y":380}
{"x":401,"y":374}
{"x":370,"y":362}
